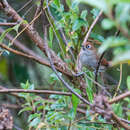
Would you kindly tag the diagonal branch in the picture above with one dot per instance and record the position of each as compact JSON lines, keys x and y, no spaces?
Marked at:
{"x":118,"y":120}
{"x":120,"y":97}
{"x":59,"y":76}
{"x":34,"y":36}
{"x":32,"y":57}
{"x":91,"y":27}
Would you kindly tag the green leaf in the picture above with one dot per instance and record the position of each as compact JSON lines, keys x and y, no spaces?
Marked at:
{"x":74,"y":6}
{"x":32,"y":116}
{"x":16,"y":27}
{"x":128,"y":82}
{"x":68,"y":2}
{"x":89,"y":90}
{"x":40,"y":108}
{"x":25,"y":109}
{"x":121,"y":58}
{"x":35,"y":122}
{"x":75,"y":101}
{"x":31,"y":87}
{"x":51,"y":34}
{"x":95,"y":12}
{"x":24,"y":95}
{"x":117,"y":109}
{"x":83,"y":15}
{"x":77,"y":24}
{"x":120,"y":1}
{"x":57,"y":2}
{"x":123,"y":15}
{"x":2,"y":36}
{"x":97,"y":37}
{"x":71,"y":114}
{"x":69,"y":45}
{"x":101,"y":4}
{"x":112,"y":42}
{"x":107,"y":24}
{"x":53,"y":77}
{"x":57,"y":34}
{"x":50,"y":37}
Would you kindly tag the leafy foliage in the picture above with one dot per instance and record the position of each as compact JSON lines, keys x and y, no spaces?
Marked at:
{"x":63,"y":112}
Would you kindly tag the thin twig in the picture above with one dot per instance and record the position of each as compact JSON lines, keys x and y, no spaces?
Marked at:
{"x":30,"y":54}
{"x":34,"y":91}
{"x":62,"y":33}
{"x":118,"y":86}
{"x":120,"y":97}
{"x":99,"y":85}
{"x":59,"y":76}
{"x":91,"y":122}
{"x":119,"y":122}
{"x":91,"y":27}
{"x":27,"y":11}
{"x":35,"y":37}
{"x":22,"y":54}
{"x":38,"y":9}
{"x":13,"y":94}
{"x":124,"y":120}
{"x":98,"y":65}
{"x":27,"y":3}
{"x":8,"y":24}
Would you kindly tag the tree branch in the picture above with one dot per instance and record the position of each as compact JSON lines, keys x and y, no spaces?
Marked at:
{"x":32,"y":54}
{"x":120,"y":97}
{"x":8,"y":24}
{"x":91,"y":27}
{"x":35,"y":37}
{"x":34,"y":91}
{"x":59,"y":76}
{"x":119,"y":122}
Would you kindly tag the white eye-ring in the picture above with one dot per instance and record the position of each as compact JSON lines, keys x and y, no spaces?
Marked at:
{"x":88,"y":46}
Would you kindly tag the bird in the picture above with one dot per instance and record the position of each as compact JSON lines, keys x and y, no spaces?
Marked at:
{"x":89,"y":58}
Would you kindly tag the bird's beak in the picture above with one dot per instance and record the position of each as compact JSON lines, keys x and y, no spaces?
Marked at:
{"x":83,"y":47}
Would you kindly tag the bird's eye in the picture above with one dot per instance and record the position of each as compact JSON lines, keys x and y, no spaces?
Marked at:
{"x":88,"y":46}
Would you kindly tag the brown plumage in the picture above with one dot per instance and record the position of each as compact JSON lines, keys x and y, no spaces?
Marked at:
{"x":88,"y":57}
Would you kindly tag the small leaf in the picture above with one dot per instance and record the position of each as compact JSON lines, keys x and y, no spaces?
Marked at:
{"x":71,"y":114}
{"x":107,"y":24}
{"x":23,"y":85}
{"x":25,"y":109}
{"x":112,"y":42}
{"x":32,"y":116}
{"x":68,"y":2}
{"x":121,"y":58}
{"x":68,"y":46}
{"x":6,"y":52}
{"x":35,"y":122}
{"x":74,"y":6}
{"x":101,"y":4}
{"x":57,"y":2}
{"x":84,"y":14}
{"x":78,"y":23}
{"x":40,"y":107}
{"x":51,"y":34}
{"x":31,"y":87}
{"x":97,"y":37}
{"x":128,"y":82}
{"x":2,"y":36}
{"x":95,"y":12}
{"x":16,"y":27}
{"x":75,"y":101}
{"x":89,"y":90}
{"x":120,"y":1}
{"x":117,"y":109}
